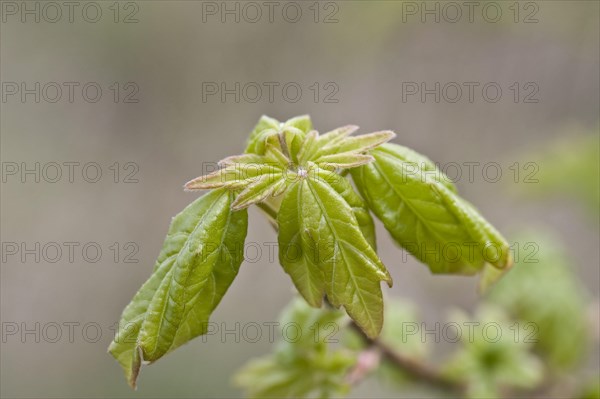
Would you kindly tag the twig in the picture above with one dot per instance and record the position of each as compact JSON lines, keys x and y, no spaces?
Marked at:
{"x":419,"y":371}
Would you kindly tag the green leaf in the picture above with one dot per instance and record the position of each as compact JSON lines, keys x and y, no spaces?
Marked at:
{"x":124,"y":347}
{"x":210,"y":245}
{"x":332,"y":239}
{"x":413,"y":163}
{"x":359,"y":207}
{"x":300,"y":264}
{"x":294,"y":242}
{"x":425,"y":216}
{"x":200,"y":258}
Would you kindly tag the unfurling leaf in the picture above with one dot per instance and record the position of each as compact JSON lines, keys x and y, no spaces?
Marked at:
{"x":302,"y":123}
{"x":265,"y":124}
{"x":421,"y":210}
{"x":358,"y":144}
{"x":201,"y":256}
{"x":314,"y":141}
{"x":255,"y":177}
{"x":331,"y":252}
{"x":267,"y":127}
{"x":234,"y":175}
{"x":335,"y":149}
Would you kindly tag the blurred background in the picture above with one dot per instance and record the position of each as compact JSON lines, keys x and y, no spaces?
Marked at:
{"x":100,"y":174}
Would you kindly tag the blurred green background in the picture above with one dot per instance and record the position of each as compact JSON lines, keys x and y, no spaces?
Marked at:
{"x":171,"y":131}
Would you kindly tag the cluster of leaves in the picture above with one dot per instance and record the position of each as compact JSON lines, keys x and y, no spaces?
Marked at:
{"x":490,"y":362}
{"x":325,"y":361}
{"x":559,"y":317}
{"x":305,"y":365}
{"x":325,"y":231}
{"x":539,"y":307}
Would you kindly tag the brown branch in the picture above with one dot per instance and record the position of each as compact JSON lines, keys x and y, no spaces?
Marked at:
{"x":419,"y":371}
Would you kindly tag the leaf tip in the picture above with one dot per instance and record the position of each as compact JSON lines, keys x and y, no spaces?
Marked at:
{"x":385,"y":136}
{"x":372,"y":332}
{"x":191,"y":185}
{"x":315,"y":301}
{"x":389,"y":281}
{"x":238,"y":206}
{"x":351,"y":128}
